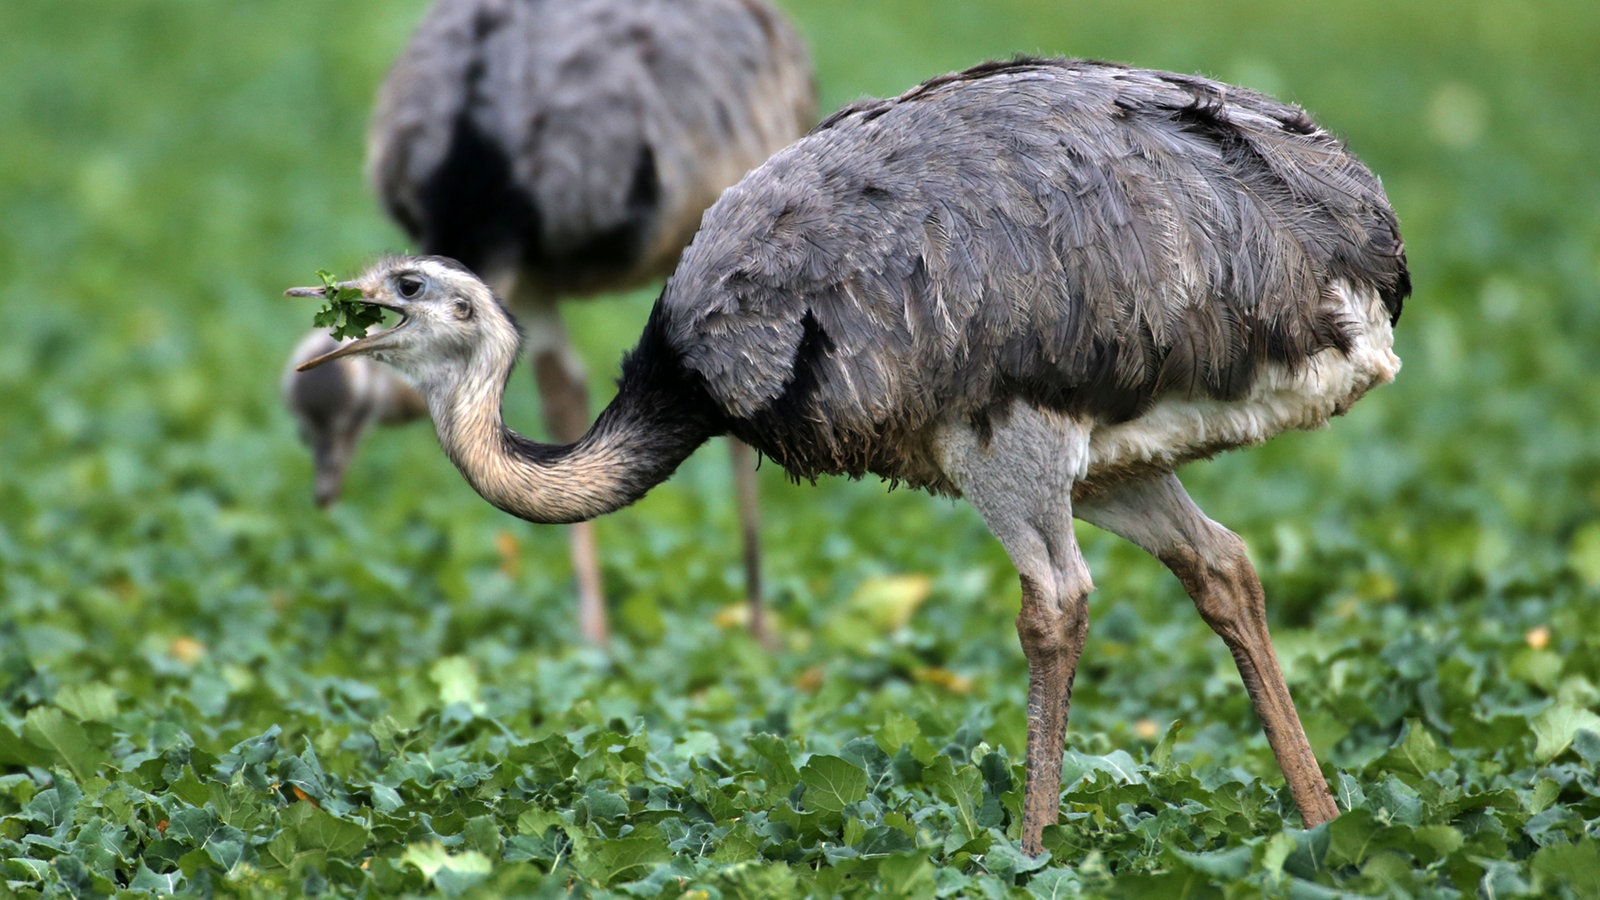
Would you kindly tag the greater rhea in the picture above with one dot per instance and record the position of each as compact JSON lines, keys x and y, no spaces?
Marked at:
{"x":1041,"y":285}
{"x":565,"y":149}
{"x":335,"y":404}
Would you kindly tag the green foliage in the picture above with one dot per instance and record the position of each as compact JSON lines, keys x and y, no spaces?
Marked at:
{"x":347,"y":314}
{"x":208,"y":687}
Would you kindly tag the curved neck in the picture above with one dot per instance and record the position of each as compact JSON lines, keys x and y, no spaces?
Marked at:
{"x":637,"y":442}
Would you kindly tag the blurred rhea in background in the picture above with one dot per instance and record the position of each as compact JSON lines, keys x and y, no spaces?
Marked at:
{"x":563,"y":150}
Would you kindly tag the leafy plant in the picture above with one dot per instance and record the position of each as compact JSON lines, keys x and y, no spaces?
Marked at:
{"x":209,"y":689}
{"x":347,"y":314}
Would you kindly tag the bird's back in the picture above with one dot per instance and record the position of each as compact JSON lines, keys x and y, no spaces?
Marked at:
{"x":581,"y":139}
{"x":1082,"y":236}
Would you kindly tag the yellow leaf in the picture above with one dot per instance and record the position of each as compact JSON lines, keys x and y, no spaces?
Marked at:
{"x":505,"y":546}
{"x":888,"y":602}
{"x":809,"y":680}
{"x":734,"y":615}
{"x":186,"y":650}
{"x":950,"y":681}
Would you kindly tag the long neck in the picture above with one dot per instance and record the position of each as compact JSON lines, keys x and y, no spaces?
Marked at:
{"x":655,"y":422}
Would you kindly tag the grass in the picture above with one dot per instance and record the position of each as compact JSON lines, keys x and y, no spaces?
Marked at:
{"x":208,"y":687}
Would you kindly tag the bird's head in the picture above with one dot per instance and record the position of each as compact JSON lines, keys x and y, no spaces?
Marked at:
{"x":449,"y":320}
{"x":331,"y":405}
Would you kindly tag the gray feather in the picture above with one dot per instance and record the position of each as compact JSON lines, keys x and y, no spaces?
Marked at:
{"x":1080,"y":235}
{"x":581,"y":139}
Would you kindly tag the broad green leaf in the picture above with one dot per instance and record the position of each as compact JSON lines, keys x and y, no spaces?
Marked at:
{"x":1118,"y":764}
{"x":600,"y":805}
{"x":249,"y":759}
{"x":1543,"y":794}
{"x":551,"y":758}
{"x":535,"y":821}
{"x":483,"y":835}
{"x":14,"y":751}
{"x":23,"y":869}
{"x":1556,"y":727}
{"x":898,"y":731}
{"x":204,"y":830}
{"x":1394,"y":801}
{"x":1574,"y":866}
{"x":1279,"y":846}
{"x":737,"y":846}
{"x":1350,"y":795}
{"x":1540,"y":668}
{"x":189,"y":788}
{"x":753,"y":880}
{"x":693,"y":744}
{"x":1008,"y":861}
{"x":1163,"y":749}
{"x":337,"y":837}
{"x":53,"y":730}
{"x":89,"y":702}
{"x":1587,"y":745}
{"x":159,"y":884}
{"x":1443,"y":840}
{"x":620,"y":860}
{"x":1352,"y":836}
{"x":1309,"y":857}
{"x":773,"y":763}
{"x":832,"y":783}
{"x":431,"y":858}
{"x":1055,"y":884}
{"x":1228,"y":865}
{"x":101,"y":846}
{"x":906,"y":874}
{"x":303,"y":774}
{"x":54,"y":807}
{"x":962,"y":788}
{"x":1415,"y":752}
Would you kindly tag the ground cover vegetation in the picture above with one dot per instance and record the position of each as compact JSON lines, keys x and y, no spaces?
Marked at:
{"x":208,"y":687}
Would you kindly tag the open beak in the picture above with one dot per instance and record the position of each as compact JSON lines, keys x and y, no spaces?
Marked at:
{"x":359,"y":344}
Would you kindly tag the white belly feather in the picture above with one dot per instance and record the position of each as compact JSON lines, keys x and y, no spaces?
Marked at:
{"x":1176,"y":430}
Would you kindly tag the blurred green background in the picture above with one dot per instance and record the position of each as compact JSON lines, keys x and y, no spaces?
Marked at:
{"x":167,"y":168}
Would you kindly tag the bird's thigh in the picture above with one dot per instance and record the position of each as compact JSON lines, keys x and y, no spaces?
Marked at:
{"x":1020,"y":477}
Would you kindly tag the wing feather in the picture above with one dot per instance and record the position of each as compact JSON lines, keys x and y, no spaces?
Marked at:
{"x":1081,"y":235}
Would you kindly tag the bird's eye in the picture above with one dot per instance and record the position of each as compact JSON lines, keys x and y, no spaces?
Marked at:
{"x":462,"y":309}
{"x":409,"y":286}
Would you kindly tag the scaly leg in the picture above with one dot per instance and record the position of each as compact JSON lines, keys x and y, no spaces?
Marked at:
{"x":749,"y":503}
{"x":1052,"y":626}
{"x":564,"y":399}
{"x":1210,"y":560}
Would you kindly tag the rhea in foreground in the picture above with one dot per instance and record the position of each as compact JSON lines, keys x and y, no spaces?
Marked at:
{"x":1041,"y":285}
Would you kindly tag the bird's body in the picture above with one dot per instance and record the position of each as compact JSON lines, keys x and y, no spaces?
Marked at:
{"x":1159,"y":255}
{"x":573,"y":144}
{"x":1040,"y":285}
{"x":561,"y":148}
